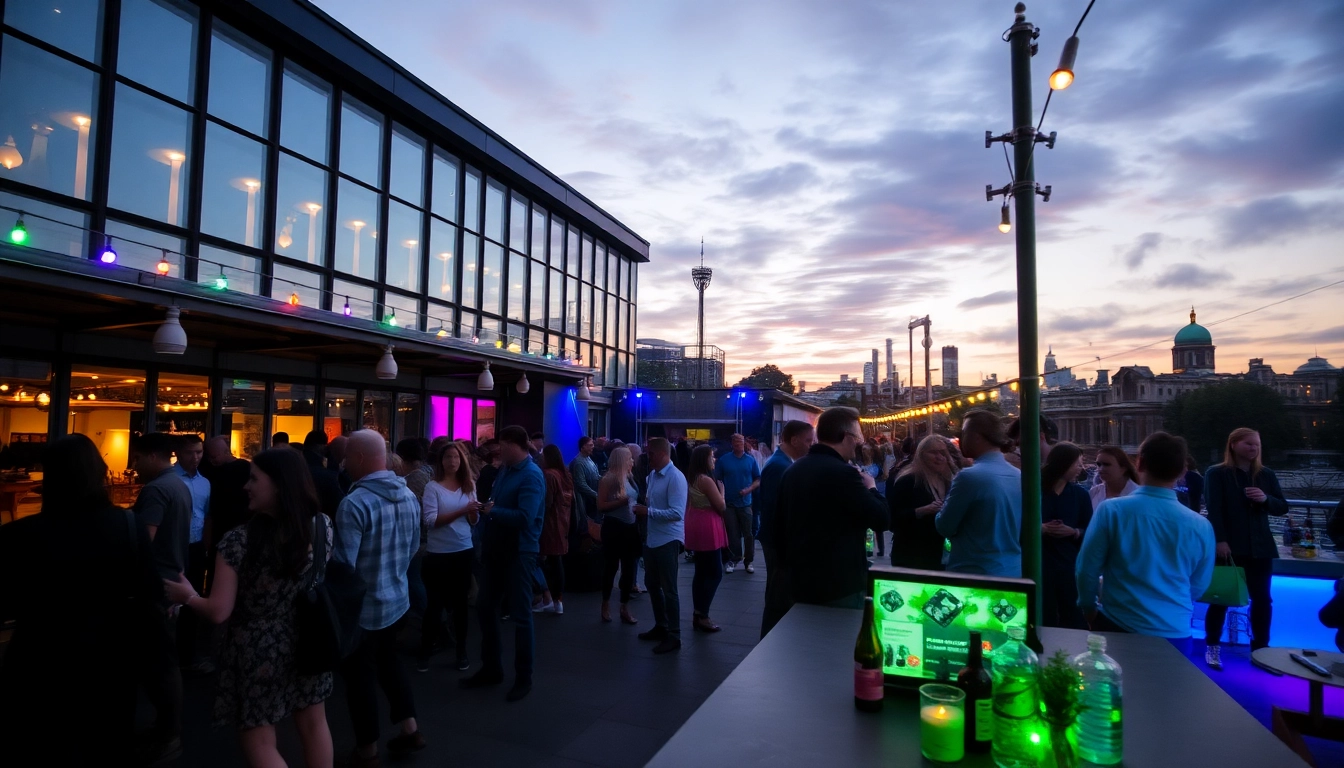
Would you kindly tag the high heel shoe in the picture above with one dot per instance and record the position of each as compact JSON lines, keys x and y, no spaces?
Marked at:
{"x":626,"y":618}
{"x":703,"y":624}
{"x":606,"y":613}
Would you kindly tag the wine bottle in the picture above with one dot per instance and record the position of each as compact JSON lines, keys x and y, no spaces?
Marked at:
{"x":868,"y":663}
{"x":974,"y":679}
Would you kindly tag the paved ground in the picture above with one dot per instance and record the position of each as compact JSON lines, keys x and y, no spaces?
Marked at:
{"x":601,"y":698}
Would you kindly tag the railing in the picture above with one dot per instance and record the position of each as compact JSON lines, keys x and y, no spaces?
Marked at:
{"x":42,"y":233}
{"x":1301,"y":510}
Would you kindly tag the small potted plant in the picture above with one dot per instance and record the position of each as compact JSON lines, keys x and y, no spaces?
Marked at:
{"x":1061,"y":696}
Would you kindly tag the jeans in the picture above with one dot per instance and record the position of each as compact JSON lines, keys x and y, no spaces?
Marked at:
{"x":415,"y":585}
{"x":447,"y":579}
{"x":620,"y":547}
{"x":741,"y":543}
{"x":777,"y":599}
{"x":708,"y":574}
{"x":376,"y":664}
{"x":1059,"y":596}
{"x":507,"y":582}
{"x":194,"y":633}
{"x":660,"y":575}
{"x":163,"y":677}
{"x":1258,"y":573}
{"x":553,"y":566}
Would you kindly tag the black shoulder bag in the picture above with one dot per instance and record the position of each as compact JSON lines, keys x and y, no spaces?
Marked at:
{"x":327,"y":609}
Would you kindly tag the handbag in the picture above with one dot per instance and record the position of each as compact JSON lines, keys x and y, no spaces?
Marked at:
{"x":1228,"y":587}
{"x":327,"y":609}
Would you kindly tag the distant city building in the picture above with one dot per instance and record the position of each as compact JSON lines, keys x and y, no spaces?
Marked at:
{"x":1055,"y":377}
{"x":1125,"y":408}
{"x":870,"y":375}
{"x":665,"y":365}
{"x":950,"y":375}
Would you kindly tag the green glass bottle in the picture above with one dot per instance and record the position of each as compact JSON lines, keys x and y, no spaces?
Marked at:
{"x":868,"y":681}
{"x":1021,"y":739}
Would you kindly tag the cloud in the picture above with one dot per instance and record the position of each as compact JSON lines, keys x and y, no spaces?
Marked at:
{"x":1190,"y":276}
{"x":772,"y":182}
{"x":1147,"y":242}
{"x":989,"y":300}
{"x":1275,"y":219}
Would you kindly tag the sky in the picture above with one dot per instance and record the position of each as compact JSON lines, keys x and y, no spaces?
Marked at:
{"x":831,"y":154}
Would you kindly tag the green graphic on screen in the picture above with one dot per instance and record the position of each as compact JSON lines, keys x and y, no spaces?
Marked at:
{"x":925,"y":628}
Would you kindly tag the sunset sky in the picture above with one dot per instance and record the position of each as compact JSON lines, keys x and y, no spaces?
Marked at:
{"x":832,"y":156}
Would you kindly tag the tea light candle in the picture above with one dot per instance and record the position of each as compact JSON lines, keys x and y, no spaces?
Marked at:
{"x":942,"y":730}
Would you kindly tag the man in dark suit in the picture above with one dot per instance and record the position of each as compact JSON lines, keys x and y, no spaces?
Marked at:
{"x":824,"y":510}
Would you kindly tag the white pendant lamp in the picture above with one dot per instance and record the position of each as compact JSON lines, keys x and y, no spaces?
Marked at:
{"x":523,"y":385}
{"x":486,"y":381}
{"x":584,"y":394}
{"x":387,"y":366}
{"x":170,"y":338}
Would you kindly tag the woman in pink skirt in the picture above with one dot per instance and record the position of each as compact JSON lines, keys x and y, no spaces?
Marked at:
{"x":706,"y":535}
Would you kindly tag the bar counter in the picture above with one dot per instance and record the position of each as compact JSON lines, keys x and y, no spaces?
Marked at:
{"x":791,"y":703}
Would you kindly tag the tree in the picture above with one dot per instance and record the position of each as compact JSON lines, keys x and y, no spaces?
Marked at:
{"x":1206,"y":416}
{"x":768,"y":376}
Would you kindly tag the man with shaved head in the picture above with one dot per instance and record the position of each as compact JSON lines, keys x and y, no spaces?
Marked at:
{"x":377,"y":533}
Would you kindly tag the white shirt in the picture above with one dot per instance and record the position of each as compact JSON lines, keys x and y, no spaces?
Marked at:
{"x":455,"y":536}
{"x":1098,"y":492}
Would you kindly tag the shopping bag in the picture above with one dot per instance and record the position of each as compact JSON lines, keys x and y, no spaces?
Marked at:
{"x":1228,"y":587}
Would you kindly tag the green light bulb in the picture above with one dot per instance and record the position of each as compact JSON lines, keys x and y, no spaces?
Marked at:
{"x":19,"y":234}
{"x":222,"y":282}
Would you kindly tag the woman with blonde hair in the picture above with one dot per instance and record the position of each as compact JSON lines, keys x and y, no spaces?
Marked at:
{"x":616,"y":497}
{"x":1116,"y":475}
{"x":914,"y":500}
{"x":1242,"y":494}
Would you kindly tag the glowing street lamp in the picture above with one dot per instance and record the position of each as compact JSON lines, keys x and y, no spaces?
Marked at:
{"x":1062,"y":77}
{"x":173,"y":159}
{"x":356,"y":225}
{"x":250,"y":186}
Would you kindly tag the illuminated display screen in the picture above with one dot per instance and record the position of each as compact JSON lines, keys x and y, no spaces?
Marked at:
{"x":926,"y":617}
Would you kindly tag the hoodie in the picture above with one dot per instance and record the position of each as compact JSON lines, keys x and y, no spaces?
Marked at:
{"x":377,"y":532}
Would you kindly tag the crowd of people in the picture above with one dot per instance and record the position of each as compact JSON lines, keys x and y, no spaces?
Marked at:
{"x":205,"y":573}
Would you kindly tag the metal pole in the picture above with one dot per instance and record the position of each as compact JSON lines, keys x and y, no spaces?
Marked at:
{"x":928,"y":380}
{"x":1020,"y":38}
{"x":700,"y":348}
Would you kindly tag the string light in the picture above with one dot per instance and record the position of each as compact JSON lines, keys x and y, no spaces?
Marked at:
{"x":222,"y":282}
{"x":294,"y":299}
{"x":391,"y":318}
{"x":19,"y":234}
{"x":1005,"y":223}
{"x":108,"y":256}
{"x":163,"y":266}
{"x":346,"y":310}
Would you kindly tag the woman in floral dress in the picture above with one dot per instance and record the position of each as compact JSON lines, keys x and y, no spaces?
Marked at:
{"x":259,"y":571}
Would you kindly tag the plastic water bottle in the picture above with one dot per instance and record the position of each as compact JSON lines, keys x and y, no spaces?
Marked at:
{"x":1100,"y":727}
{"x":1020,"y":736}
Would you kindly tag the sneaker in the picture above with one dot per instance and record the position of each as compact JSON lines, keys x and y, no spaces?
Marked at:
{"x":559,"y":608}
{"x":1213,"y":656}
{"x":728,"y":568}
{"x":406,"y":743}
{"x":463,"y":665}
{"x":544,"y":608}
{"x":751,"y":568}
{"x":668,"y":645}
{"x":422,"y":664}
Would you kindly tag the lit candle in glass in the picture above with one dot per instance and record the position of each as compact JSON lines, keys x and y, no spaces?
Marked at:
{"x":942,"y":723}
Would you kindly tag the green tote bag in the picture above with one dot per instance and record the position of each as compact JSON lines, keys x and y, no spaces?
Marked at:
{"x":1228,"y":586}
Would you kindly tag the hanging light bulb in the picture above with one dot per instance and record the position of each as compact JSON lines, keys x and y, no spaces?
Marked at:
{"x":163,"y":266}
{"x":523,"y":385}
{"x":294,"y":299}
{"x":486,"y":381}
{"x":441,"y":333}
{"x":387,"y":365}
{"x":346,"y":310}
{"x":19,"y":234}
{"x":9,"y":155}
{"x":1062,"y":77}
{"x":391,"y":318}
{"x":1005,"y":223}
{"x":222,"y":282}
{"x":585,"y":395}
{"x":170,"y":338}
{"x":108,"y":256}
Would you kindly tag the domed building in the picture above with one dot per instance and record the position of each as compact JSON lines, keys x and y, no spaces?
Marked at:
{"x":1315,"y":365}
{"x":1192,"y":352}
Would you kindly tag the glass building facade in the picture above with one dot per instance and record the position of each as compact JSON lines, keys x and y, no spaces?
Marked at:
{"x":214,"y":145}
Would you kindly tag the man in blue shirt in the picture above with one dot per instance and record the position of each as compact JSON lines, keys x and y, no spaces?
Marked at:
{"x":666,"y":514}
{"x":514,"y":516}
{"x":982,"y":514}
{"x":193,"y":634}
{"x":1155,"y":555}
{"x":795,"y":439}
{"x":740,"y":475}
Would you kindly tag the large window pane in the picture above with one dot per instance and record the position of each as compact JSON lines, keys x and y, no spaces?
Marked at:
{"x":143,"y":249}
{"x":443,"y":265}
{"x":586,"y":260}
{"x":157,"y":46}
{"x":233,"y":195}
{"x":295,"y":410}
{"x":629,"y":327}
{"x":573,"y":306}
{"x":71,"y":25}
{"x":377,"y":413}
{"x":597,"y":315}
{"x":409,"y":421}
{"x":405,"y":252}
{"x":25,"y":421}
{"x":538,"y":242}
{"x":151,"y":157}
{"x":109,"y":405}
{"x":239,"y":272}
{"x":555,"y":301}
{"x":492,"y":279}
{"x":556,"y":254}
{"x":243,"y":402}
{"x":183,"y":404}
{"x":66,"y":234}
{"x":600,"y":267}
{"x":296,"y":286}
{"x":517,"y":287}
{"x":46,"y":108}
{"x":518,"y":224}
{"x":341,"y":408}
{"x":613,"y":330}
{"x":361,"y":300}
{"x":633,"y":275}
{"x":537,"y":295}
{"x":408,"y":166}
{"x":572,"y":251}
{"x":471,"y":200}
{"x":361,"y":142}
{"x":240,"y":80}
{"x":407,"y":309}
{"x":444,"y":187}
{"x":471,"y":249}
{"x":305,"y":113}
{"x":300,"y":222}
{"x":439,"y":320}
{"x":357,"y":231}
{"x":494,"y":211}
